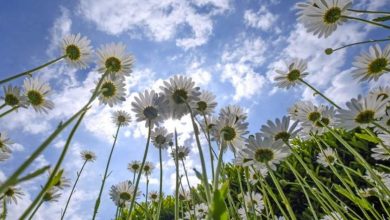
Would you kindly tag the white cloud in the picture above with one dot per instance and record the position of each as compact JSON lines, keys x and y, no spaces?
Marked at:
{"x":61,"y":27}
{"x":263,"y":19}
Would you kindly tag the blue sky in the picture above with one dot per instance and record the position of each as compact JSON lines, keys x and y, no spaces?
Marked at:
{"x":229,"y":47}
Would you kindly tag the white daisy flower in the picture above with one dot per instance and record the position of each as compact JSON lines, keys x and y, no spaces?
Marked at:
{"x":382,"y":93}
{"x":368,"y":192}
{"x":4,"y":156}
{"x":12,"y":194}
{"x":161,"y":138}
{"x":384,"y":122}
{"x":211,"y":122}
{"x":206,"y":103}
{"x":149,"y":107}
{"x":231,"y":132}
{"x":254,"y":175}
{"x":372,"y":65}
{"x":5,"y":143}
{"x":113,"y":91}
{"x":327,"y":157}
{"x":185,"y":195}
{"x":384,"y":177}
{"x":319,"y":127}
{"x":179,"y":91}
{"x":154,"y":196}
{"x":324,"y":16}
{"x":134,"y":166}
{"x":148,"y":168}
{"x":182,"y":152}
{"x":234,"y":110}
{"x":37,"y":92}
{"x":201,"y":210}
{"x":51,"y":195}
{"x":121,"y":118}
{"x":361,"y":112}
{"x":262,"y":151}
{"x":280,"y":129}
{"x":13,"y":97}
{"x":290,"y":78}
{"x":77,"y":50}
{"x":305,"y":111}
{"x":332,"y":216}
{"x":88,"y":155}
{"x":122,"y":193}
{"x":254,"y":200}
{"x":382,"y":150}
{"x":114,"y":59}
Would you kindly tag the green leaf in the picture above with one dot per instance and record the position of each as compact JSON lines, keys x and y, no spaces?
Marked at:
{"x":367,"y":137}
{"x":363,"y":203}
{"x":198,"y":174}
{"x":33,"y":174}
{"x":218,"y":209}
{"x":56,"y":179}
{"x":382,"y":19}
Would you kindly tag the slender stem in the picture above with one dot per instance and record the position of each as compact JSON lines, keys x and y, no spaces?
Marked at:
{"x":9,"y":111}
{"x":381,"y":127}
{"x":210,"y":147}
{"x":139,"y":174}
{"x":177,"y":179}
{"x":73,"y":188}
{"x":116,"y":213}
{"x":204,"y":171}
{"x":161,"y":182}
{"x":319,"y":93}
{"x":35,"y":210}
{"x":97,"y":204}
{"x":219,"y":164}
{"x":146,"y":196}
{"x":3,"y":105}
{"x":4,"y":216}
{"x":366,"y":21}
{"x":362,"y":42}
{"x":369,"y":12}
{"x":185,"y":172}
{"x":54,"y":173}
{"x":133,"y":178}
{"x":29,"y":72}
{"x":242,"y":192}
{"x":12,"y":180}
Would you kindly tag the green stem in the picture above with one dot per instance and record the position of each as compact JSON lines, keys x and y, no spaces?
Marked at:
{"x":54,"y":173}
{"x":185,"y":172}
{"x":242,"y":192}
{"x":117,"y":212}
{"x":177,"y":179}
{"x":319,"y":93}
{"x":3,"y":105}
{"x":279,"y":188}
{"x":210,"y":147}
{"x":139,"y":174}
{"x":362,"y":42}
{"x":369,"y":12}
{"x":366,"y":21}
{"x":29,"y":72}
{"x":73,"y":188}
{"x":97,"y":203}
{"x":204,"y":171}
{"x":35,"y":210}
{"x":9,"y":111}
{"x":146,"y":196}
{"x":4,"y":216}
{"x":161,"y":181}
{"x":219,"y":164}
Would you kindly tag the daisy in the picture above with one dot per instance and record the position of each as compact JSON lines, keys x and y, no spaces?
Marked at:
{"x":134,"y":166}
{"x":323,"y":17}
{"x":4,"y":156}
{"x":88,"y":155}
{"x":5,"y":143}
{"x":230,"y":132}
{"x":382,"y":93}
{"x":254,"y":175}
{"x":114,"y":59}
{"x":254,"y":200}
{"x":211,"y":122}
{"x":206,"y":103}
{"x":280,"y":129}
{"x":77,"y":50}
{"x":154,"y":196}
{"x":112,"y":91}
{"x":361,"y":112}
{"x":332,"y":216}
{"x":372,"y":65}
{"x":161,"y":137}
{"x":384,"y":177}
{"x":62,"y":182}
{"x":122,"y":193}
{"x":320,"y":126}
{"x":37,"y":92}
{"x":327,"y":157}
{"x":149,"y":107}
{"x":148,"y":168}
{"x":180,"y":91}
{"x":384,"y":122}
{"x":201,"y":210}
{"x":290,"y":78}
{"x":51,"y":195}
{"x":12,"y":194}
{"x":368,"y":192}
{"x":263,"y":152}
{"x":234,"y":110}
{"x":381,"y":151}
{"x":121,"y":118}
{"x":13,"y":97}
{"x":305,"y":111}
{"x":182,"y":152}
{"x":185,"y":195}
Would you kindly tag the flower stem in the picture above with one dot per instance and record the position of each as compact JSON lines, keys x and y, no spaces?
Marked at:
{"x":35,"y":210}
{"x":210,"y":147}
{"x":9,"y":111}
{"x":366,"y":21}
{"x":319,"y":93}
{"x":381,"y":127}
{"x":369,"y":12}
{"x":4,"y":215}
{"x":29,"y":72}
{"x":140,"y":172}
{"x":161,"y":182}
{"x":146,"y":196}
{"x":2,"y":106}
{"x":185,"y":172}
{"x":177,"y":179}
{"x":219,"y":164}
{"x":97,"y":204}
{"x":362,"y":42}
{"x":73,"y":188}
{"x":49,"y":182}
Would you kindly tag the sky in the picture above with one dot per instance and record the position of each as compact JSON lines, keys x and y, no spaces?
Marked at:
{"x":230,"y":48}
